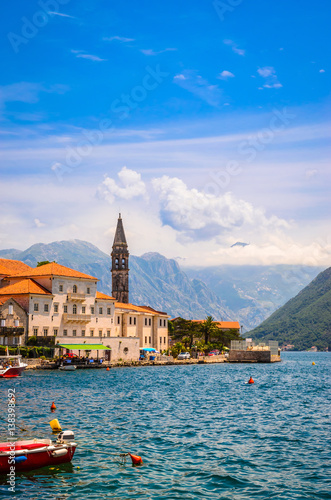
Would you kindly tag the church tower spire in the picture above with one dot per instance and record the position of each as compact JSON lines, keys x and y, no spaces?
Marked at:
{"x":120,"y":265}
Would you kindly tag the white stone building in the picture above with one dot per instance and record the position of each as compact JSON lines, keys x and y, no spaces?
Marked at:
{"x":64,"y":305}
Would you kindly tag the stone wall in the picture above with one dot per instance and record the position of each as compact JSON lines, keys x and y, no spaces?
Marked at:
{"x":249,"y":356}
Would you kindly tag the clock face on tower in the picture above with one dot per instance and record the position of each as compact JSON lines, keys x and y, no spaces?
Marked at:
{"x":120,"y":265}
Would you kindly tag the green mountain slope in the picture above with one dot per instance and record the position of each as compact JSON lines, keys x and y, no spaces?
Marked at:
{"x":303,"y":321}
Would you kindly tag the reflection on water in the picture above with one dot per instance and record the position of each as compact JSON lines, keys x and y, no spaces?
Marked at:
{"x":202,"y":431}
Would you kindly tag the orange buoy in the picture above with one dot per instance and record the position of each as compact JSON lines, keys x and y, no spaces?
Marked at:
{"x":53,"y":407}
{"x":136,"y":460}
{"x":251,"y":381}
{"x":107,"y":368}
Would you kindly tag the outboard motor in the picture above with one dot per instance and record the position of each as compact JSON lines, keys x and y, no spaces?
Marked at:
{"x":65,"y":437}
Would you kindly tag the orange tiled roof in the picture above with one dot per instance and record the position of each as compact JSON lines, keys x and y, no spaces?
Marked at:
{"x":24,"y":286}
{"x":133,"y":307}
{"x":53,"y":269}
{"x":103,"y":296}
{"x":9,"y":267}
{"x":4,"y":299}
{"x":220,"y":324}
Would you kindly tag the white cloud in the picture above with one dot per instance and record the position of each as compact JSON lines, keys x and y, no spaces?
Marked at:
{"x":91,"y":57}
{"x":60,"y":14}
{"x":198,"y":86}
{"x":267,"y":71}
{"x":234,"y":47}
{"x":151,"y":52}
{"x":322,"y":71}
{"x":132,"y":186}
{"x":203,"y":216}
{"x":38,"y":223}
{"x":118,"y":38}
{"x":225,"y":75}
{"x":271,"y":80}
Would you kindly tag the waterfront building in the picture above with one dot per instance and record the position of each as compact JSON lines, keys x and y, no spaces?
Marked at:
{"x":59,"y":305}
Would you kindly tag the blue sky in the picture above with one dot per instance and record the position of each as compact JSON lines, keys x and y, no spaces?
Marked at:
{"x":205,"y":123}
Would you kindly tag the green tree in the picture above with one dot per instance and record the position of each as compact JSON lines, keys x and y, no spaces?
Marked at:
{"x":207,"y":328}
{"x":186,"y":331}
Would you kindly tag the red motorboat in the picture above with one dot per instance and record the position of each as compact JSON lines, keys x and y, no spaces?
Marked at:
{"x":11,"y":366}
{"x":35,"y":453}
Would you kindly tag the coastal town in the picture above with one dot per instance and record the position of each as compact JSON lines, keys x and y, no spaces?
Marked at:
{"x":55,"y":307}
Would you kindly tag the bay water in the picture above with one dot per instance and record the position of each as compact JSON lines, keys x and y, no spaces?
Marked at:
{"x":202,"y":431}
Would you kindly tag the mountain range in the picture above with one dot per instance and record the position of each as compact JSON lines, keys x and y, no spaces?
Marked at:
{"x":248,"y":294}
{"x":303,"y":321}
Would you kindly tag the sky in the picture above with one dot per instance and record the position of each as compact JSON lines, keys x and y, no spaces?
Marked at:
{"x":205,"y":123}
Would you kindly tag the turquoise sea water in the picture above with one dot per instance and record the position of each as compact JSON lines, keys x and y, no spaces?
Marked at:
{"x":202,"y":431}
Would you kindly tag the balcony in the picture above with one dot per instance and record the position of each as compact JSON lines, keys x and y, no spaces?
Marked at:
{"x":80,"y":297}
{"x":76,"y":318}
{"x":8,"y":330}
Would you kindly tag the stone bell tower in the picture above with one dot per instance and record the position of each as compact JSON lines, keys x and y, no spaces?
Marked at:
{"x":120,"y":265}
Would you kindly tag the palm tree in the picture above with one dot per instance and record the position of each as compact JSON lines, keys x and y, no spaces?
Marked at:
{"x":207,"y":328}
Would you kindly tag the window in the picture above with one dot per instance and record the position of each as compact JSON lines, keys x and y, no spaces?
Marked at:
{"x":91,"y":333}
{"x":108,"y":333}
{"x":65,"y":308}
{"x":83,"y":333}
{"x":145,"y":340}
{"x":108,"y":310}
{"x":164,"y":322}
{"x":60,"y":288}
{"x":45,"y":332}
{"x":118,"y":320}
{"x":74,"y":309}
{"x":134,"y":320}
{"x":36,"y":307}
{"x":56,"y":308}
{"x":150,"y":321}
{"x":83,"y":309}
{"x":160,"y":322}
{"x":35,"y":332}
{"x":55,"y":332}
{"x":92,"y":310}
{"x":74,"y":333}
{"x":165,"y":340}
{"x":74,"y":289}
{"x":116,"y":263}
{"x":46,"y":308}
{"x":145,"y":321}
{"x":123,"y":263}
{"x":130,"y":320}
{"x":16,"y":322}
{"x":100,"y":333}
{"x":150,"y":340}
{"x":10,"y":309}
{"x":3,"y":322}
{"x":100,"y":310}
{"x":65,"y":333}
{"x":160,"y":340}
{"x":88,"y":290}
{"x":126,"y":350}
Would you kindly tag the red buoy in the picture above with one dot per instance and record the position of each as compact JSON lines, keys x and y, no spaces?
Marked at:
{"x":53,"y":407}
{"x":251,"y":381}
{"x":136,"y":460}
{"x":107,"y":368}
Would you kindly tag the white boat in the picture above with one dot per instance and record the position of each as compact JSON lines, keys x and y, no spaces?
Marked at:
{"x":11,"y":366}
{"x":68,"y":368}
